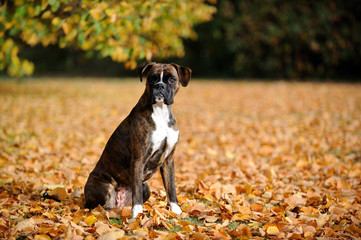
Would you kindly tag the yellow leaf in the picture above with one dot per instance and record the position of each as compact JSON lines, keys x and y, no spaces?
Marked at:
{"x":68,"y":9}
{"x":56,"y":21}
{"x":119,"y":55}
{"x":66,"y":27}
{"x":47,"y":15}
{"x":59,"y":193}
{"x":28,"y":67}
{"x":131,"y":64}
{"x":42,"y":237}
{"x":230,"y":155}
{"x":89,"y":237}
{"x":272,"y":230}
{"x":248,"y":189}
{"x":244,"y":210}
{"x":96,"y":14}
{"x":90,"y":220}
{"x":14,"y":52}
{"x":240,"y":217}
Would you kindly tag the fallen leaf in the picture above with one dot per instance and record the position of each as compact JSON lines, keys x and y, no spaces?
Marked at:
{"x":211,"y":219}
{"x":337,"y":210}
{"x":101,"y":228}
{"x":42,"y":237}
{"x":114,"y":235}
{"x":244,"y":231}
{"x":257,"y":207}
{"x":200,"y":236}
{"x":27,"y":225}
{"x":272,"y":230}
{"x":90,"y":220}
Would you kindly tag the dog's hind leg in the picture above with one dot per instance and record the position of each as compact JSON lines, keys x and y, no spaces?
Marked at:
{"x":98,"y":191}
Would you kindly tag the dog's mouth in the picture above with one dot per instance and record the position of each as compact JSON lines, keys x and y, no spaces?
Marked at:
{"x":159,"y":98}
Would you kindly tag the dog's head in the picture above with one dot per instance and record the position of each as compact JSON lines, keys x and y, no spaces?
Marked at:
{"x":164,"y":80}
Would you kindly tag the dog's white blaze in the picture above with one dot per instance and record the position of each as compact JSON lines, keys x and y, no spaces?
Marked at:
{"x":137,"y":208}
{"x":161,"y":76}
{"x":160,"y":116}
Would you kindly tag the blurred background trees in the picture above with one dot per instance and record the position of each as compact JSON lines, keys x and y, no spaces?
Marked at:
{"x":259,"y":39}
{"x":275,"y":38}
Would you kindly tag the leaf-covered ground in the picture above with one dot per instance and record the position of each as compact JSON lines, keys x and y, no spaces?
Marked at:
{"x":254,"y":160}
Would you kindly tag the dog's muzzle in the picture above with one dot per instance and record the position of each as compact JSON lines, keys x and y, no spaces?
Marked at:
{"x":161,"y":93}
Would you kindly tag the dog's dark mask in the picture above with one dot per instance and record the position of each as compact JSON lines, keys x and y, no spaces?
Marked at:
{"x":162,"y":87}
{"x":163,"y":80}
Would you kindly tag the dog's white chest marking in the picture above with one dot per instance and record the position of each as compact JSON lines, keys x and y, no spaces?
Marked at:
{"x":162,"y":131}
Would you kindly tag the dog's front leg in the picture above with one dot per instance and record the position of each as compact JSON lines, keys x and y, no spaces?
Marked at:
{"x":167,"y":172}
{"x":137,"y":187}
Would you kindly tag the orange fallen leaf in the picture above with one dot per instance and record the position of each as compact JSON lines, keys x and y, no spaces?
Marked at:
{"x":220,"y":234}
{"x":244,"y":210}
{"x":200,"y":236}
{"x":244,"y":231}
{"x":171,"y":236}
{"x":126,"y":212}
{"x":257,"y":207}
{"x":240,"y":217}
{"x":353,"y":229}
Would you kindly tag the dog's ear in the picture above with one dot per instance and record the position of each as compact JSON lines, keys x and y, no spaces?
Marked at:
{"x":184,"y":74}
{"x":143,"y":69}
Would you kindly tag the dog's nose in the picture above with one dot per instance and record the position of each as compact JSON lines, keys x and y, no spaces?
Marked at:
{"x":160,"y":86}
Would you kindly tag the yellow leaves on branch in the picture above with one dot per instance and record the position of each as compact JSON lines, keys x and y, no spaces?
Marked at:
{"x":124,"y":30}
{"x":17,"y":67}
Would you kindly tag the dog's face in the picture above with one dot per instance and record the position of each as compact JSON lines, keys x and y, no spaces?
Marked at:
{"x":164,"y":80}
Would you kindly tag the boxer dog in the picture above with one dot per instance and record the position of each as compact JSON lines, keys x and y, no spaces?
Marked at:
{"x":143,"y":143}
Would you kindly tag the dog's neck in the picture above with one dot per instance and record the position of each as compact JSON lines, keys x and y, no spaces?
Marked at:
{"x":162,"y":111}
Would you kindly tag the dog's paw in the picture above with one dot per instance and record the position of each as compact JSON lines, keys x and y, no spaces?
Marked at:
{"x":136,"y":210}
{"x":175,"y":208}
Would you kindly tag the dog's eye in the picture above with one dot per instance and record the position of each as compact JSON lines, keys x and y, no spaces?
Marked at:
{"x":172,"y":80}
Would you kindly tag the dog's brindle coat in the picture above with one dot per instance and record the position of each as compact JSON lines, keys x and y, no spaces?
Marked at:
{"x":143,"y":143}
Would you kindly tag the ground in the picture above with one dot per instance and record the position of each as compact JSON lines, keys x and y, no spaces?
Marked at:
{"x":254,"y":160}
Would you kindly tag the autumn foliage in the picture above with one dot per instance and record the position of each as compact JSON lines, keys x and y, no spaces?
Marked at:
{"x":254,"y":161}
{"x":124,"y":30}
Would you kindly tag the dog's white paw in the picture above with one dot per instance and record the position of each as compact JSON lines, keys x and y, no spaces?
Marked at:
{"x":175,"y":208}
{"x":136,"y":210}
